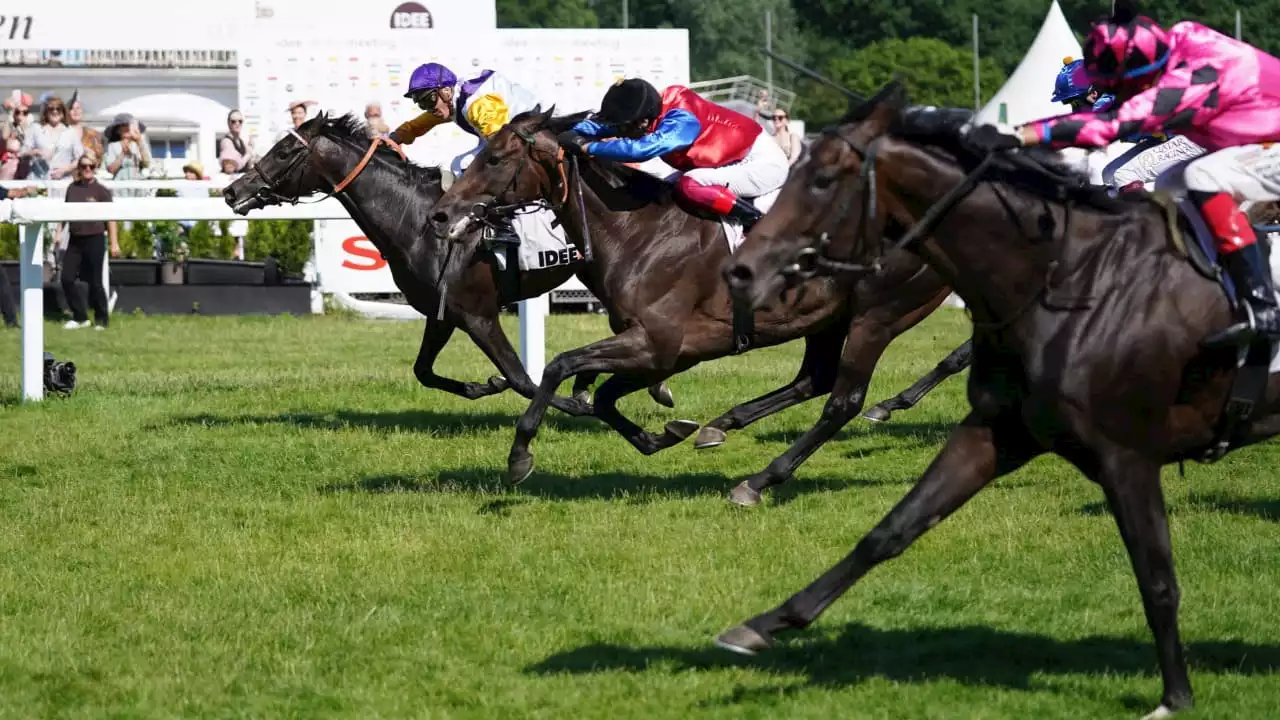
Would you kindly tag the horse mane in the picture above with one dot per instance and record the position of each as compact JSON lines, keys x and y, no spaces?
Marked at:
{"x":350,"y":128}
{"x":639,"y":184}
{"x":1037,"y":169}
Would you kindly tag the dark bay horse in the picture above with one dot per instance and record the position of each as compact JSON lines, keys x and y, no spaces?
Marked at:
{"x":391,"y":200}
{"x":657,"y":267}
{"x":1087,"y":330}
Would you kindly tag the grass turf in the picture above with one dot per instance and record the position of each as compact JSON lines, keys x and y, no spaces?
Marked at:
{"x":268,"y":517}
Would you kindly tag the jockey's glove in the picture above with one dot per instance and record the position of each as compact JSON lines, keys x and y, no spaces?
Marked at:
{"x":993,"y":138}
{"x":572,"y":140}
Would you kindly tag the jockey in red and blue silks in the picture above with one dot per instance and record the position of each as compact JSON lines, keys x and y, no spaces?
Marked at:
{"x":1222,"y":94}
{"x":724,"y":156}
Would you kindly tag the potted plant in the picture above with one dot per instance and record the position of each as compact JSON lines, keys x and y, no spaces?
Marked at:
{"x":172,"y":250}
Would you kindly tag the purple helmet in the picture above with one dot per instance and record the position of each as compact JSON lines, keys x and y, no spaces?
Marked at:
{"x":431,"y":76}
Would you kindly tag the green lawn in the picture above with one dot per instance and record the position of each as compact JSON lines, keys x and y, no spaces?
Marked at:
{"x":269,"y":517}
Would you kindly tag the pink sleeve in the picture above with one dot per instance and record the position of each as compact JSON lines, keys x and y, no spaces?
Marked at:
{"x":1183,"y":98}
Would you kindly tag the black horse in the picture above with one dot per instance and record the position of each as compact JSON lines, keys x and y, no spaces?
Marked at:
{"x":391,"y":200}
{"x":1087,"y":342}
{"x":657,"y":267}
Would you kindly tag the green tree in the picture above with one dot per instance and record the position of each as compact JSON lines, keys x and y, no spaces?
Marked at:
{"x":546,"y":14}
{"x":725,"y":36}
{"x":935,"y":74}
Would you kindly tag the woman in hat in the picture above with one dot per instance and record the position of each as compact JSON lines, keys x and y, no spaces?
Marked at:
{"x":127,"y":152}
{"x":52,"y":145}
{"x":90,"y":139}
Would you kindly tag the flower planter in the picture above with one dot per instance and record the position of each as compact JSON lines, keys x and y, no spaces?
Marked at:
{"x":171,"y":273}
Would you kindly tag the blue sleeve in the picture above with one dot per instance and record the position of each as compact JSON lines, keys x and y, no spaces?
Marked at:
{"x":1103,"y":102}
{"x":677,"y":130}
{"x":593,"y":129}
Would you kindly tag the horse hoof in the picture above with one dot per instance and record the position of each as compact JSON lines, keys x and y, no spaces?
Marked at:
{"x":681,"y":428}
{"x":498,"y":383}
{"x":876,"y":414}
{"x":710,"y":437}
{"x":1160,"y":713}
{"x":661,"y":394}
{"x":743,"y":640}
{"x":743,"y":495}
{"x":583,"y":396}
{"x":520,"y":468}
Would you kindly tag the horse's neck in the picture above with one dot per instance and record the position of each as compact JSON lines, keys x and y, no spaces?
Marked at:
{"x":385,"y":209}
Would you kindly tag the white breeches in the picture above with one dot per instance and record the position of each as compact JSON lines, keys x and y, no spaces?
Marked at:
{"x":1248,"y":172}
{"x":1145,"y":164}
{"x":762,"y":171}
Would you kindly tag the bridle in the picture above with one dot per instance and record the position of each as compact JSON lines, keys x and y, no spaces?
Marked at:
{"x":819,"y":253}
{"x":487,"y":212}
{"x":268,"y":193}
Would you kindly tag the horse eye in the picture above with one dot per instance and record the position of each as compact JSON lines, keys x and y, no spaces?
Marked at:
{"x":493,"y":161}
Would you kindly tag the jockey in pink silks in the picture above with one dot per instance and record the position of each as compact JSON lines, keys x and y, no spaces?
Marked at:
{"x":1190,"y":80}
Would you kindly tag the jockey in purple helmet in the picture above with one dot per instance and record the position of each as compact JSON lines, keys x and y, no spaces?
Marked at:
{"x":1073,"y":88}
{"x":480,"y":106}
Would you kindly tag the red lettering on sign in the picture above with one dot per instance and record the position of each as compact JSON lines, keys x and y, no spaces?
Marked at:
{"x":360,"y":247}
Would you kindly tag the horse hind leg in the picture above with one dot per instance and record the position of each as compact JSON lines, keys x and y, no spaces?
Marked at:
{"x":954,"y":363}
{"x":486,"y":332}
{"x":618,"y":387}
{"x":435,"y":336}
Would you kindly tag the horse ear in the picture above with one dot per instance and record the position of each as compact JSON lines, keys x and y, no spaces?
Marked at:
{"x":537,"y":109}
{"x":550,"y":113}
{"x":888,"y":103}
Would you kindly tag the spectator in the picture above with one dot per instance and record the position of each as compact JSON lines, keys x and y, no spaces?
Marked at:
{"x":90,"y":139}
{"x":10,"y":156}
{"x":227,"y":161}
{"x":7,"y":308}
{"x":85,"y":249}
{"x":128,"y":154}
{"x":298,"y":112}
{"x":232,"y":143}
{"x":17,"y":115}
{"x":787,"y":140}
{"x":373,"y":119}
{"x":763,"y":109}
{"x":192,"y":171}
{"x":52,"y":145}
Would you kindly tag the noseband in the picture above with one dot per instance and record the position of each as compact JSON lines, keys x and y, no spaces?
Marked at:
{"x":485,"y":211}
{"x":269,"y":192}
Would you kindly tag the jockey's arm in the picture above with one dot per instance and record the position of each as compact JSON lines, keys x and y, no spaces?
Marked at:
{"x":676,"y":131}
{"x":411,"y":130}
{"x":1175,"y":101}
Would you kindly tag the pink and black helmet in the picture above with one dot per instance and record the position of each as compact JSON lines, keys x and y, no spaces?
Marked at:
{"x":1125,"y":49}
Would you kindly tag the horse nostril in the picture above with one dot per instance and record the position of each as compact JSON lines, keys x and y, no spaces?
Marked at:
{"x":440,"y":218}
{"x":228,"y":194}
{"x":739,"y":275}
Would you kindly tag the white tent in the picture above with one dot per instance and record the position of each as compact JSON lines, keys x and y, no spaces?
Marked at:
{"x":1025,"y":96}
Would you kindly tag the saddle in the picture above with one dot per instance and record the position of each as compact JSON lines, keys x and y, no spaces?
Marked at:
{"x":1253,"y":360}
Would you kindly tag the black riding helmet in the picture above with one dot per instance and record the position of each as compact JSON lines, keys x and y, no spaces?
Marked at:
{"x":628,"y":101}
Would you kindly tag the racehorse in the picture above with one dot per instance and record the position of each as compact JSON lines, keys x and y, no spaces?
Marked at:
{"x":657,"y":266}
{"x":1087,"y":341}
{"x":391,"y":199}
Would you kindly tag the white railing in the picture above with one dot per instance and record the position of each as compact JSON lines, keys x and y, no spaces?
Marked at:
{"x":161,"y":184}
{"x":30,"y":214}
{"x":745,"y":88}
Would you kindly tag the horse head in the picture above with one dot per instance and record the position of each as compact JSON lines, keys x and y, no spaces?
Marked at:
{"x":323,"y":155}
{"x":822,"y":208}
{"x":522,"y":164}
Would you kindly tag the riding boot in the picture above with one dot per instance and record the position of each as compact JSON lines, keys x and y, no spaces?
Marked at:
{"x":744,"y":212}
{"x":1243,"y":260}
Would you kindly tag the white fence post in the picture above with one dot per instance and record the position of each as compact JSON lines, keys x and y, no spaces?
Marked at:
{"x":533,"y":337}
{"x":32,"y":283}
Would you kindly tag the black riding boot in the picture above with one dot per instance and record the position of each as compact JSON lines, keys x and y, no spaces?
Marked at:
{"x":746,"y":213}
{"x":1249,"y":271}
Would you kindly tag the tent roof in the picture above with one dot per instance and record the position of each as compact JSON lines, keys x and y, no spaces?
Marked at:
{"x":1026,"y":94}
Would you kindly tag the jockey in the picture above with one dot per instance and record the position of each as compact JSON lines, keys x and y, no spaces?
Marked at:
{"x":480,"y":106}
{"x":724,"y":156}
{"x":1194,"y":81}
{"x":1151,"y":155}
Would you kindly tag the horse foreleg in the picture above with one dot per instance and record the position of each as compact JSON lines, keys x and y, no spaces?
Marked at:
{"x":1132,"y":485}
{"x":487,"y":334}
{"x":619,"y":386}
{"x":866,"y":342}
{"x":957,"y":361}
{"x":434,"y":337}
{"x":817,"y":376}
{"x":976,"y":453}
{"x":629,"y":352}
